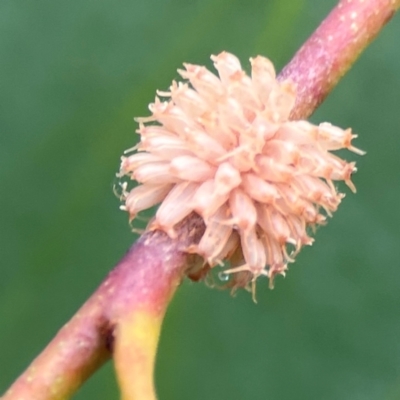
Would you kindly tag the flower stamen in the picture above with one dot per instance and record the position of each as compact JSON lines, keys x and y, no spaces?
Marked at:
{"x":224,"y":148}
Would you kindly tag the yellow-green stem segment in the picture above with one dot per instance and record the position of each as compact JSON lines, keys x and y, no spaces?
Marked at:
{"x":134,"y":355}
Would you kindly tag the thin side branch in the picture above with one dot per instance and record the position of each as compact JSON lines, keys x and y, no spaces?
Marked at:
{"x":122,"y":318}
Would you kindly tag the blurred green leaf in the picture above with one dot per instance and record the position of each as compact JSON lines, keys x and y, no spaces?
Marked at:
{"x":73,"y":74}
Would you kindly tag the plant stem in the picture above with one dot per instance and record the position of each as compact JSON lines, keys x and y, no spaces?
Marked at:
{"x":78,"y":349}
{"x":333,"y":48}
{"x":140,"y":301}
{"x":123,"y":317}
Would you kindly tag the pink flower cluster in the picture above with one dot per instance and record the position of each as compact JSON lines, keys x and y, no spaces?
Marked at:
{"x":224,"y":147}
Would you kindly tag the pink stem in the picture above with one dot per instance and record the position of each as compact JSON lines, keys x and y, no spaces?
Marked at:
{"x":140,"y":285}
{"x":333,"y":48}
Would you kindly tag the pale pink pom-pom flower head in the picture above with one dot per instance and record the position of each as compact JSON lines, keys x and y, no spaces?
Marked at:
{"x":224,"y":147}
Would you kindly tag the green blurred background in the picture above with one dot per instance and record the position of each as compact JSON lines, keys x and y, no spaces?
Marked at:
{"x":73,"y":75}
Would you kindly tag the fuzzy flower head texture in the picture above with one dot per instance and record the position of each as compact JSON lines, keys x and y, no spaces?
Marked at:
{"x":224,"y":147}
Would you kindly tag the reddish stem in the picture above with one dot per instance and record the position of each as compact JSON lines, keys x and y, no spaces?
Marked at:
{"x":138,"y":290}
{"x":332,"y":49}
